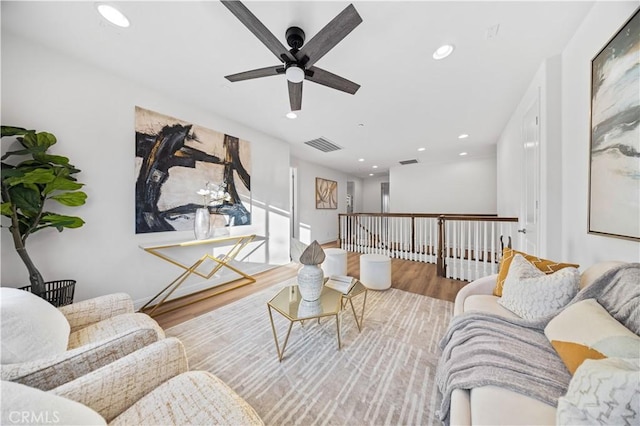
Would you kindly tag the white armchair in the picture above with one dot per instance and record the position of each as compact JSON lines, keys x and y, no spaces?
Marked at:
{"x":148,"y":387}
{"x":44,"y":347}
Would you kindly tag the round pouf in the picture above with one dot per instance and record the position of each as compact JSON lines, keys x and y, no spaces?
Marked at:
{"x":375,"y":271}
{"x":335,"y":262}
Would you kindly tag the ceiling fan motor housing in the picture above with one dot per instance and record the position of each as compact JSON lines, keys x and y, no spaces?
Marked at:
{"x":295,"y":37}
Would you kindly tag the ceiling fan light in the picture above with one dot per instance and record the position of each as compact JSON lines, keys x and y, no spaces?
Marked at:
{"x":113,"y":15}
{"x":443,"y":51}
{"x":295,"y":74}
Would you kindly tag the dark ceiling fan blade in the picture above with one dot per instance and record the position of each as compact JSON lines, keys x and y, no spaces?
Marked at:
{"x":329,"y":36}
{"x":258,"y":29}
{"x":261,"y":72}
{"x":295,"y":96}
{"x":320,"y":76}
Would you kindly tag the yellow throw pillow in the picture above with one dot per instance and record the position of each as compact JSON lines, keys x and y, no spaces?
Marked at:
{"x":545,"y":265}
{"x":585,"y":330}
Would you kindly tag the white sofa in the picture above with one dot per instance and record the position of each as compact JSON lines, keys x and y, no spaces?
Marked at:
{"x":492,"y":405}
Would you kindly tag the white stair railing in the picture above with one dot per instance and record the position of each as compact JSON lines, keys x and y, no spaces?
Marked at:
{"x":464,"y":247}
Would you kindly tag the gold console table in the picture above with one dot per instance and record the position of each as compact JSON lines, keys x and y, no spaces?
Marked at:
{"x":235,"y":243}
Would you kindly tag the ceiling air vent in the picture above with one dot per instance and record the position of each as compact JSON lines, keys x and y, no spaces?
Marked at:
{"x":405,"y":162}
{"x":323,"y":144}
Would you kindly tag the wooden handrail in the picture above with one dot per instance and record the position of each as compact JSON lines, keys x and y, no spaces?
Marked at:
{"x":423,"y":237}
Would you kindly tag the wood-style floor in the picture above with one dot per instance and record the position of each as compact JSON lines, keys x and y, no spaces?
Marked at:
{"x":415,"y":277}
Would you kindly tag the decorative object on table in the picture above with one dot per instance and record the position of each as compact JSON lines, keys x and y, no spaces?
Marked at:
{"x":212,"y":196}
{"x":309,"y":308}
{"x":614,"y":187}
{"x":34,"y":179}
{"x":326,"y":194}
{"x":341,"y":283}
{"x":172,"y":157}
{"x":310,"y":276}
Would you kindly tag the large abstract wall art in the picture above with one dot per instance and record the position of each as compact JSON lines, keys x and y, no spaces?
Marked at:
{"x":174,"y":160}
{"x":614,"y":174}
{"x":326,"y":194}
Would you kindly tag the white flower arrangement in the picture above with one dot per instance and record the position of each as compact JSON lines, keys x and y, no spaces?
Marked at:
{"x":214,"y":195}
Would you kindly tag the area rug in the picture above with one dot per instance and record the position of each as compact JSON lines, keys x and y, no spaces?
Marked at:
{"x":382,"y":375}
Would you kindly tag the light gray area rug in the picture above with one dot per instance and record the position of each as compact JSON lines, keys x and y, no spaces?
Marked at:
{"x":383,"y":375}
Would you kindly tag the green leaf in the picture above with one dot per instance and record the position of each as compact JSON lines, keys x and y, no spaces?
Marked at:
{"x":55,"y":159}
{"x":71,"y":198}
{"x":13,"y":131}
{"x":61,"y":221}
{"x":5,"y":209}
{"x":36,"y":176}
{"x":26,"y":198}
{"x":36,"y":150}
{"x":62,"y":183}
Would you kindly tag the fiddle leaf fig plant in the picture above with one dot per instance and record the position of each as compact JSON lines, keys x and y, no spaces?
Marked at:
{"x":32,"y":182}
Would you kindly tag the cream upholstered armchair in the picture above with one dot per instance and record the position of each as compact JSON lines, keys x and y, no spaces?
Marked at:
{"x":44,"y":347}
{"x":148,"y":387}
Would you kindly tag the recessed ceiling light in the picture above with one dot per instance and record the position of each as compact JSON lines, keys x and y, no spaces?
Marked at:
{"x":421,"y":149}
{"x":443,"y":51}
{"x":462,"y":154}
{"x":113,"y":15}
{"x":375,"y":167}
{"x":361,"y":159}
{"x":291,"y":115}
{"x":463,"y":136}
{"x":370,"y":174}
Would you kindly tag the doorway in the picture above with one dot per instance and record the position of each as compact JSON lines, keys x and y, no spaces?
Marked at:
{"x":530,"y":203}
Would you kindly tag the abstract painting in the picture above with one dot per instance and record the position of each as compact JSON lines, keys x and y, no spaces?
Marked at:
{"x":326,"y":194}
{"x":174,"y":160}
{"x":614,"y":173}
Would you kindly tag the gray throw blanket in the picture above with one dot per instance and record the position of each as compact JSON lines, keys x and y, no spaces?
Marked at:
{"x":481,"y":349}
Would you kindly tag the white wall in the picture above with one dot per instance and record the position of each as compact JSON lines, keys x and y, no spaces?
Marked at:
{"x":92,"y":114}
{"x":464,"y":186}
{"x":371,"y":194}
{"x":320,"y":224}
{"x":603,"y":21}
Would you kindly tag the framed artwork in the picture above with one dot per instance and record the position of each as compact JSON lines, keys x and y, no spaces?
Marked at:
{"x":174,"y":160}
{"x":326,"y":194}
{"x":614,"y":169}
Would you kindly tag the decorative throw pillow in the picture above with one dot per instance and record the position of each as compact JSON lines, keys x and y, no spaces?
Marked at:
{"x":22,"y":405}
{"x":602,"y":392}
{"x":585,"y":330}
{"x":545,"y":265}
{"x":31,"y":327}
{"x":531,"y":294}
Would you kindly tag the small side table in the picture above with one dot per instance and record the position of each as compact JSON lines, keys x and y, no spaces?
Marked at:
{"x":290,"y":305}
{"x":357,"y":290}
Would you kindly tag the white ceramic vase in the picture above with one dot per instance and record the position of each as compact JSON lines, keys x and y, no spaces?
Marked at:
{"x":202,"y":224}
{"x":310,"y":281}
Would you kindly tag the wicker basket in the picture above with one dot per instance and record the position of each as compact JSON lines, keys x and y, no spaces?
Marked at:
{"x":58,"y":293}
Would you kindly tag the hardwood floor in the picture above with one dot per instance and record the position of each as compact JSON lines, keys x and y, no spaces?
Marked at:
{"x":415,"y":277}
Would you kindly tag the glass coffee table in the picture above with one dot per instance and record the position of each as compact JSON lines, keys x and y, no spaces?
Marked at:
{"x":290,"y":305}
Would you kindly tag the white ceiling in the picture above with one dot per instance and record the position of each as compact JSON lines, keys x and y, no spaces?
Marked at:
{"x":407,"y":100}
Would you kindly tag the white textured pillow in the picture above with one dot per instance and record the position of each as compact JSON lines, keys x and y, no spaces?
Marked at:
{"x":531,"y":294}
{"x":605,"y":391}
{"x":25,"y":405}
{"x":31,"y":327}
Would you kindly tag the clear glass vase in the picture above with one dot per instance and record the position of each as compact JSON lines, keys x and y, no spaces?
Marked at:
{"x":202,"y":224}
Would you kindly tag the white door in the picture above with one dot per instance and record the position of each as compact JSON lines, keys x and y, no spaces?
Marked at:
{"x":529,"y":235}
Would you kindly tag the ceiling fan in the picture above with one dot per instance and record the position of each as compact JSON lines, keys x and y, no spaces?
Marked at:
{"x":298,"y":61}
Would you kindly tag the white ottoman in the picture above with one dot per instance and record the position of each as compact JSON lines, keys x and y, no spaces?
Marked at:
{"x":335,"y":262}
{"x":375,"y":271}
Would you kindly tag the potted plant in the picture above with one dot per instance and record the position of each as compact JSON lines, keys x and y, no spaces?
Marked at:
{"x":30,"y":183}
